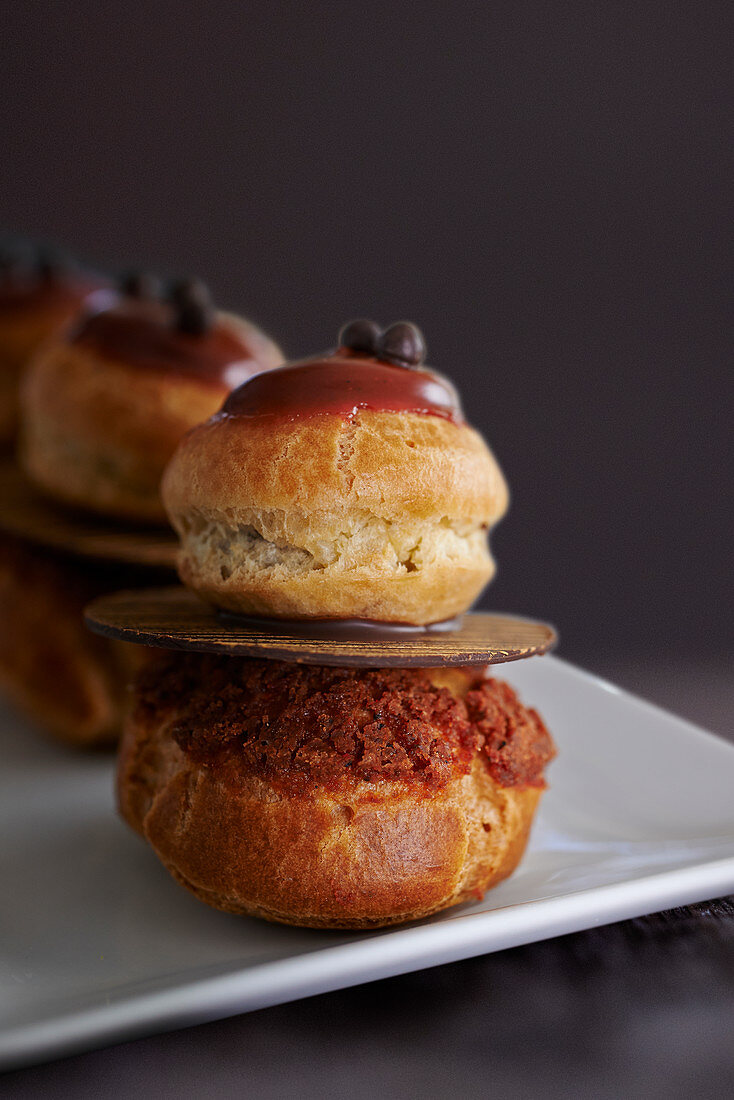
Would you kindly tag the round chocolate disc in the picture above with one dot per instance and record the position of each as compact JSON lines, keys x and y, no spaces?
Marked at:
{"x":174,"y":618}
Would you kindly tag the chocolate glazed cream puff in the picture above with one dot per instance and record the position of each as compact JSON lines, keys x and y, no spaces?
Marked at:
{"x":41,"y":289}
{"x":344,"y":486}
{"x":105,"y":405}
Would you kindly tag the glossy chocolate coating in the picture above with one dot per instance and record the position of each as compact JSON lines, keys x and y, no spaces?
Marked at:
{"x":342,"y":384}
{"x":144,"y":334}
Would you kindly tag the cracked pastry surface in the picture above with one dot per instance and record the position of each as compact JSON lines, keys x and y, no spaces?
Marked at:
{"x":330,"y":797}
{"x":383,"y":515}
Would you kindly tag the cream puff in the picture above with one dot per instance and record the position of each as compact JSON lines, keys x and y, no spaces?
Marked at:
{"x":40,"y":291}
{"x":348,"y":485}
{"x":326,"y":797}
{"x":104,"y":406}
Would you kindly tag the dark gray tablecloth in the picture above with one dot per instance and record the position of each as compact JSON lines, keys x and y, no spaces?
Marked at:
{"x":641,"y":1008}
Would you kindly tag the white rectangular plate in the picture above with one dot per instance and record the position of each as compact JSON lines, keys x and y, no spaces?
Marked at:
{"x":98,"y":944}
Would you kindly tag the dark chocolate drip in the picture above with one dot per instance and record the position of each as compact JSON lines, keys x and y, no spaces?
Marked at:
{"x":342,"y":384}
{"x":143,"y":333}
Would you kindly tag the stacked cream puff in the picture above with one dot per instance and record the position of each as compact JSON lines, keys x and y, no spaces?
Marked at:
{"x":343,"y":487}
{"x":103,"y":404}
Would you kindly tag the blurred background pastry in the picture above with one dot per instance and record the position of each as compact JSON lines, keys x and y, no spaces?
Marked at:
{"x":344,"y":486}
{"x":103,"y":403}
{"x":67,"y":681}
{"x":104,"y":406}
{"x":325,"y":797}
{"x":41,"y":289}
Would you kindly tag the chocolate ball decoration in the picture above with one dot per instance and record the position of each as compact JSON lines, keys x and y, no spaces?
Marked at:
{"x":361,"y":335}
{"x":140,"y":284}
{"x":17,"y":258}
{"x":52,"y":263}
{"x":194,"y":309}
{"x":401,"y":344}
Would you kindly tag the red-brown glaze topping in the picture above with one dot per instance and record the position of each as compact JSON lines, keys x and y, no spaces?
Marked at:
{"x":143,"y":333}
{"x":343,"y":383}
{"x":300,"y":726}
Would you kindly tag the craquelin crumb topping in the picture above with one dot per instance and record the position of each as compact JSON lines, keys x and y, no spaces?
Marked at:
{"x":306,"y":725}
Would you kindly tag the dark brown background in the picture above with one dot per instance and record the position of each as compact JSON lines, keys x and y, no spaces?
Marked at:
{"x":545,"y":188}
